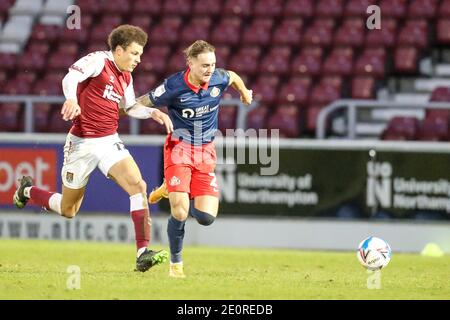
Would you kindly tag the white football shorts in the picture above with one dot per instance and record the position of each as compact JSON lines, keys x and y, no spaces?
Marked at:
{"x":82,"y":156}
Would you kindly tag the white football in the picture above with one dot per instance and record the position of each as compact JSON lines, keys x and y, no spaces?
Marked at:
{"x":374,"y":253}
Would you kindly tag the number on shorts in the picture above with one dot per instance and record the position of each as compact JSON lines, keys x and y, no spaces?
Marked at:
{"x":214,"y":182}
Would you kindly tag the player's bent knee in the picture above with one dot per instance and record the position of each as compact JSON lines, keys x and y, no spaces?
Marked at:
{"x":179,"y":213}
{"x":203,"y":218}
{"x":142,"y":186}
{"x":69,"y":212}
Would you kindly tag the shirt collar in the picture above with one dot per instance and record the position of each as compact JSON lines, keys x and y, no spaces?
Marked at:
{"x":111,"y":57}
{"x":191,"y":86}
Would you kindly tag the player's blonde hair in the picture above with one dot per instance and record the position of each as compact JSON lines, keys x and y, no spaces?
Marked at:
{"x":198,"y":47}
{"x":126,"y":34}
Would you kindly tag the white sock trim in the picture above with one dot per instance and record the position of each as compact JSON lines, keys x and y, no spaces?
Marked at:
{"x":138,"y":202}
{"x":26,"y":192}
{"x":55,"y":202}
{"x":140,"y":251}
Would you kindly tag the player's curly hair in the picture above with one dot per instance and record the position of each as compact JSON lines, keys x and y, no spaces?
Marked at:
{"x":126,"y":34}
{"x":198,"y":47}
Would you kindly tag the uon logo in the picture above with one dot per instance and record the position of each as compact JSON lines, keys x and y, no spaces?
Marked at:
{"x":379,"y":184}
{"x":15,"y":163}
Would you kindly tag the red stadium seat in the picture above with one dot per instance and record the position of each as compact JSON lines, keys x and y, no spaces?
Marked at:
{"x":406,"y":60}
{"x":8,"y":60}
{"x":393,"y":8}
{"x":154,"y":59}
{"x":384,"y":37}
{"x":276,"y":61}
{"x":41,"y":115}
{"x":177,"y":7}
{"x":268,"y":8}
{"x":198,"y":28}
{"x":44,"y":87}
{"x":227,"y":118}
{"x":69,"y":48}
{"x":60,"y":61}
{"x":444,"y":9}
{"x":150,"y":126}
{"x":117,"y":7}
{"x":339,"y":62}
{"x":240,"y":8}
{"x":363,"y":87}
{"x":26,"y":76}
{"x":10,"y":119}
{"x":287,"y":121}
{"x":141,"y":20}
{"x":320,"y":33}
{"x":246,"y":60}
{"x":143,"y":83}
{"x":166,"y":32}
{"x":414,"y":33}
{"x":257,"y":118}
{"x":357,"y":8}
{"x":440,"y":94}
{"x":57,"y":124}
{"x":265,"y":89}
{"x":213,"y":8}
{"x":330,"y":8}
{"x":443,"y":31}
{"x":222,"y":55}
{"x":38,"y":46}
{"x":309,"y":62}
{"x":324,"y":93}
{"x":90,"y":6}
{"x":149,"y":8}
{"x":434,"y":129}
{"x":401,"y":128}
{"x":351,"y":33}
{"x":32,"y":60}
{"x":296,"y":91}
{"x":46,"y":33}
{"x":227,"y":32}
{"x":299,"y":8}
{"x":288,"y":32}
{"x":176,"y":63}
{"x":312,"y":113}
{"x":16,"y":86}
{"x":372,"y":62}
{"x":423,"y":9}
{"x":259,"y":32}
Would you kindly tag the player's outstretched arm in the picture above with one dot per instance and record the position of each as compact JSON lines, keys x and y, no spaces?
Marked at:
{"x":238,"y":84}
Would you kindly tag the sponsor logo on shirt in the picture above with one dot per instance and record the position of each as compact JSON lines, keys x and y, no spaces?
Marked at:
{"x":110,"y":94}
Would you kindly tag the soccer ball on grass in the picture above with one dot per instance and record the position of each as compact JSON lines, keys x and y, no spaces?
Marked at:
{"x":374,"y":253}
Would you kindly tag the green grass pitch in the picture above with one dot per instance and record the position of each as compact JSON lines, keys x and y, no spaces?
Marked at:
{"x":38,"y":270}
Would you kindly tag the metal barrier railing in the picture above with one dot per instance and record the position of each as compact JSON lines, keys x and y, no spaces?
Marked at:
{"x":353,"y":106}
{"x":29,"y":100}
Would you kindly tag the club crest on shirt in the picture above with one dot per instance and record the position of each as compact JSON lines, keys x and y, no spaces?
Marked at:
{"x":69,"y":177}
{"x":159,"y":91}
{"x":174,"y":181}
{"x":214,"y":92}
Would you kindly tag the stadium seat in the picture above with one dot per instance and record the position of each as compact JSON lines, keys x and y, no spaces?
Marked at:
{"x":16,"y":86}
{"x":10,"y":119}
{"x":363,"y":87}
{"x":339,"y":62}
{"x":276,"y":61}
{"x":401,"y":128}
{"x":239,"y":8}
{"x":423,"y":9}
{"x":357,"y":8}
{"x":166,"y":32}
{"x":320,"y":33}
{"x":440,"y":94}
{"x":177,"y":62}
{"x":143,"y":83}
{"x":384,"y":37}
{"x":443,"y":31}
{"x":198,"y":28}
{"x":222,"y":55}
{"x":258,"y":32}
{"x":246,"y":60}
{"x":372,"y":62}
{"x":444,"y":9}
{"x":288,"y":33}
{"x":414,"y":33}
{"x":213,"y":8}
{"x":91,"y":6}
{"x":351,"y":33}
{"x":227,"y":118}
{"x":60,"y":61}
{"x":44,"y":87}
{"x":141,"y":20}
{"x":40,"y":47}
{"x":257,"y":118}
{"x":32,"y":60}
{"x":46,"y":33}
{"x":227,"y":31}
{"x":57,"y":124}
{"x":406,"y":60}
{"x":330,"y":8}
{"x":309,"y":62}
{"x":312,"y":113}
{"x":122,"y":7}
{"x":299,"y":8}
{"x":324,"y":93}
{"x":153,"y":8}
{"x":177,"y":7}
{"x":69,"y":48}
{"x":268,"y":8}
{"x":41,"y":115}
{"x":9,"y":61}
{"x":393,"y":8}
{"x":149,"y":126}
{"x":296,"y":91}
{"x":286,"y":120}
{"x":265,"y":89}
{"x":434,"y":129}
{"x":154,"y":59}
